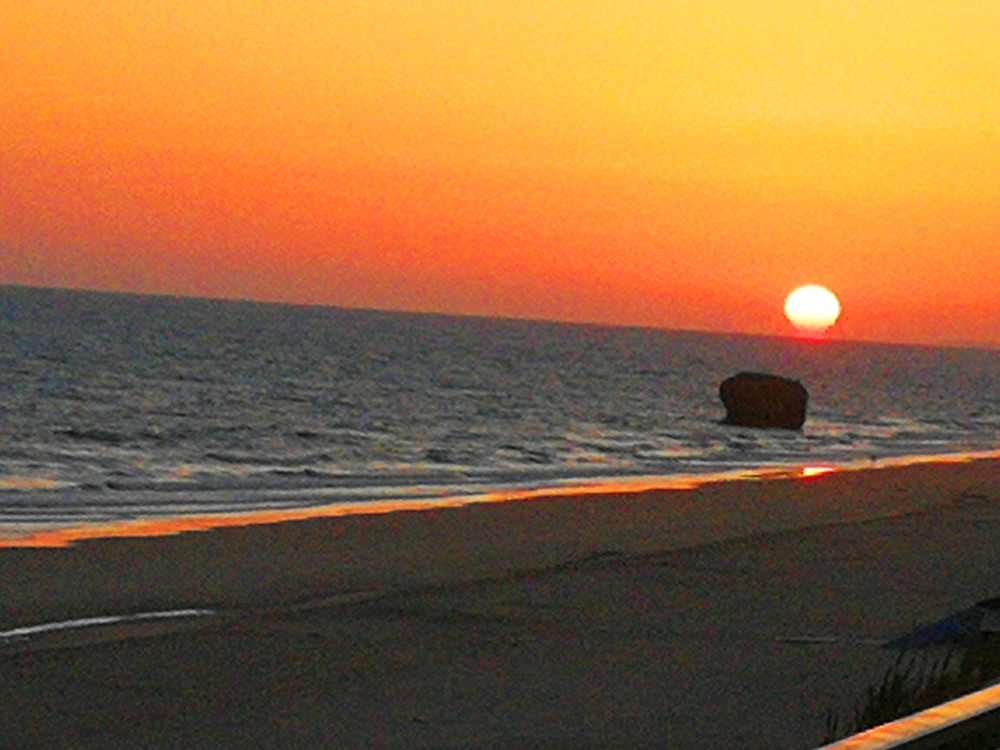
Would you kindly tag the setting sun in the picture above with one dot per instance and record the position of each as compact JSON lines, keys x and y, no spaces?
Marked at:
{"x":812,"y":309}
{"x":628,"y":164}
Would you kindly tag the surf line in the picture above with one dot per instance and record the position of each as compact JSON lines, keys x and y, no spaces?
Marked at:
{"x":87,"y":622}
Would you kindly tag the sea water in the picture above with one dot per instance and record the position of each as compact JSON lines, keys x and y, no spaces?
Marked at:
{"x":116,"y":407}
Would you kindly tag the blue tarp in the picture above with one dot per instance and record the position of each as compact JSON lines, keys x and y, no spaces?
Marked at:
{"x":957,"y":627}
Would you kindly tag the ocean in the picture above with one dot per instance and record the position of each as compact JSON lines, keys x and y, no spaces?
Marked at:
{"x":118,"y":407}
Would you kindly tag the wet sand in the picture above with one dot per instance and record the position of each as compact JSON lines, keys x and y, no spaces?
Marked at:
{"x":733,"y":614}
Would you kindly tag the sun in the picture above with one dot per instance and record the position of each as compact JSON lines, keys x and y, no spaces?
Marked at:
{"x":812,"y":309}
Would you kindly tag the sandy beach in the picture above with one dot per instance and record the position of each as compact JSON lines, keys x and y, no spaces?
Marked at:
{"x":730,"y":614}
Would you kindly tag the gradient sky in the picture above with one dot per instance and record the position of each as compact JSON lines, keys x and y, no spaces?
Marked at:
{"x":672,"y":164}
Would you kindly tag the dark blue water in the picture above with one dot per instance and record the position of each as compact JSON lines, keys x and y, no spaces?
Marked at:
{"x":124,"y":406}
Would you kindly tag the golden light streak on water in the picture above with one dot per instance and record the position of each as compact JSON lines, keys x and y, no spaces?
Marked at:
{"x":815,"y":471}
{"x":66,"y":536}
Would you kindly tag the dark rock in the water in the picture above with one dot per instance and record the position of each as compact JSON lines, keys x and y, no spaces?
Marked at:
{"x":755,"y":399}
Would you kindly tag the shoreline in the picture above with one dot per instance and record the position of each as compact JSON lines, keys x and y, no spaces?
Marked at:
{"x":276,"y":562}
{"x":61,"y":535}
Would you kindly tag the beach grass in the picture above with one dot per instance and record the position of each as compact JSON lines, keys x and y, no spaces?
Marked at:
{"x":921,"y":679}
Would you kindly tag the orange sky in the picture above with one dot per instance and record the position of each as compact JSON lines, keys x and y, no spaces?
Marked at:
{"x":680,"y":165}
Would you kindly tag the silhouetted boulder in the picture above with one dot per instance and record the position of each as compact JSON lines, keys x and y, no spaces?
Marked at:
{"x":755,"y":399}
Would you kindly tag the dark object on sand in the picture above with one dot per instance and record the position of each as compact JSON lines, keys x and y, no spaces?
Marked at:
{"x":756,"y":399}
{"x":982,"y":620}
